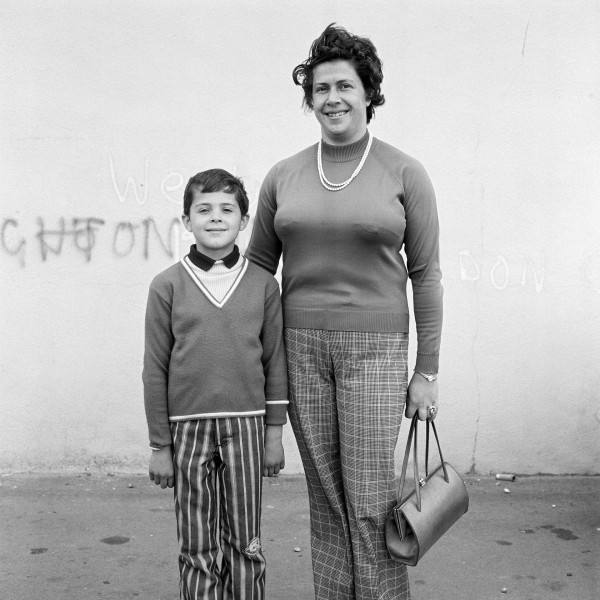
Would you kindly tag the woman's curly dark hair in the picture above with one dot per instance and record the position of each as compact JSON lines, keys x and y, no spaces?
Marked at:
{"x":335,"y":43}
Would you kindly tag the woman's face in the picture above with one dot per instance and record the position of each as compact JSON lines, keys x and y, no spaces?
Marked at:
{"x":339,"y":102}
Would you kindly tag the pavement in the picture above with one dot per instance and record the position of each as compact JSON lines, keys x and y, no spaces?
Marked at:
{"x":93,"y":534}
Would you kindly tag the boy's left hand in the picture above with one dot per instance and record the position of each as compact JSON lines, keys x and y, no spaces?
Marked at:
{"x":274,"y":454}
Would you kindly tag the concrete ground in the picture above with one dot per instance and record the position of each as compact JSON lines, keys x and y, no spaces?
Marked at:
{"x":112,"y":536}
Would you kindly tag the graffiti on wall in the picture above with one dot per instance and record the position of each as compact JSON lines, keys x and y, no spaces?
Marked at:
{"x":525,"y":271}
{"x":170,"y":183}
{"x":85,"y":234}
{"x":502,"y":273}
{"x":145,"y":238}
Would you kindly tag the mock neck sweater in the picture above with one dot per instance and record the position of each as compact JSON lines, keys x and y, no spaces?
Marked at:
{"x":342,"y":268}
{"x":206,"y":358}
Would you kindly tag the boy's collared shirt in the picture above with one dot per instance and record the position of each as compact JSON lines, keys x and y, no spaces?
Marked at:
{"x":205,"y":263}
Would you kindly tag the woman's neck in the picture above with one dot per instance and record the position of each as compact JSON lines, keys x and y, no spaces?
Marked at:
{"x":345,"y":152}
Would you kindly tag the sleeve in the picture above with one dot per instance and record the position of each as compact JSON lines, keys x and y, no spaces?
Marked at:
{"x":421,"y":244}
{"x":273,"y":359}
{"x":155,"y":376}
{"x":264,"y":248}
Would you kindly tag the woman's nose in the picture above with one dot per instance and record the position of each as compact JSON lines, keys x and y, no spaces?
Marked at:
{"x":333,"y":96}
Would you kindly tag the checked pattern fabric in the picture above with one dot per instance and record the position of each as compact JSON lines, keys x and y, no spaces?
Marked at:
{"x":347,"y":395}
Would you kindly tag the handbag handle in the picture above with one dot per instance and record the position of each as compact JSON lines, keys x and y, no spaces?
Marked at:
{"x":412,"y":438}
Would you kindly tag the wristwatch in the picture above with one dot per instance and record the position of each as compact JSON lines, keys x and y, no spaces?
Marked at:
{"x":429,"y":376}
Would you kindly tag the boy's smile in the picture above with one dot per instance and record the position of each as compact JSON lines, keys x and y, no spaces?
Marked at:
{"x":215,"y":219}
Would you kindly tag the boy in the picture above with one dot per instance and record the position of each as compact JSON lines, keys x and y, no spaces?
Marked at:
{"x":215,"y":392}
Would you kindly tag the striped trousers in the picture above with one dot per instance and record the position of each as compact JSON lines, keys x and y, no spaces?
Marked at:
{"x":348,"y":391}
{"x":218,"y":490}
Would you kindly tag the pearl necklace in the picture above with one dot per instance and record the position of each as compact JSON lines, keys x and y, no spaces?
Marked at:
{"x":336,"y":187}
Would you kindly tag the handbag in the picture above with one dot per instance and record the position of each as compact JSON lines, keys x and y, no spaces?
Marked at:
{"x":436,"y":503}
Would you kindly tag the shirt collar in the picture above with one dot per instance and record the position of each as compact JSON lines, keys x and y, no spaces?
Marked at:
{"x":205,"y":262}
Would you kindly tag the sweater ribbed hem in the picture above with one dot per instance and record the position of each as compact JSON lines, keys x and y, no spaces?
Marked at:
{"x":275,"y":414}
{"x":217,"y":415}
{"x":336,"y":320}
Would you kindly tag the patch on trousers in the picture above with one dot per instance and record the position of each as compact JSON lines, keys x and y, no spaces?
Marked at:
{"x":253,"y":549}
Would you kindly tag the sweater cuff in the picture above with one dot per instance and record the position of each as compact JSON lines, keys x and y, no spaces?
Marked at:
{"x":160,"y":436}
{"x":428,"y":363}
{"x":276,"y":413}
{"x":156,"y":448}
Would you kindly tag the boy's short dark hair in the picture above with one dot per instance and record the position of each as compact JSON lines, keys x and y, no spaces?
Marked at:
{"x":215,"y":180}
{"x":336,"y":43}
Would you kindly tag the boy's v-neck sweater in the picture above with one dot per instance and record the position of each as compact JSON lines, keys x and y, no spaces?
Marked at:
{"x":203,"y":360}
{"x":342,"y":267}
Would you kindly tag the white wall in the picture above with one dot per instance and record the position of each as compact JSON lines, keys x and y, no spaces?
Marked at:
{"x":107,"y":108}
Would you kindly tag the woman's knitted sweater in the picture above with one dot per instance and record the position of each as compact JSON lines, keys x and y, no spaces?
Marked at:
{"x":342,"y":267}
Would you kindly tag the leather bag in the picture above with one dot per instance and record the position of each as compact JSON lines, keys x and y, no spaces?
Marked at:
{"x":436,"y":503}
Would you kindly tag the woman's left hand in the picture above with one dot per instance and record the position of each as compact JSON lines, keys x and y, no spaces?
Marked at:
{"x":421,"y":396}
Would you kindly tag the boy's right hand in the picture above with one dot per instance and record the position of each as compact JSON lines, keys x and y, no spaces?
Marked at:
{"x":161,"y":467}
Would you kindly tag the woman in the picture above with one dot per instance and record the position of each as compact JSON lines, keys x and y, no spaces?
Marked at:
{"x":339,"y":212}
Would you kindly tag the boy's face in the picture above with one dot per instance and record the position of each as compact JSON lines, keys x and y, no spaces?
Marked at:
{"x":215,"y":220}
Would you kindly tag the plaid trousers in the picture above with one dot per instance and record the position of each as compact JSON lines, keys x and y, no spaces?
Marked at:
{"x":347,"y":396}
{"x":218,"y":491}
